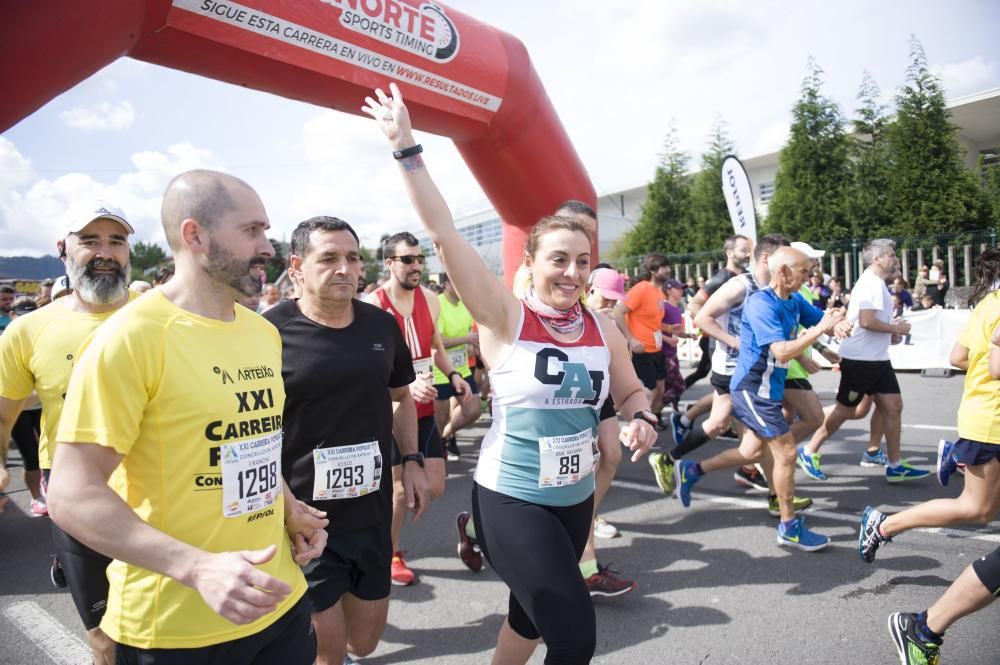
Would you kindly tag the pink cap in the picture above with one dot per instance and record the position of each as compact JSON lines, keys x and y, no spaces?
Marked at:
{"x":609,"y":283}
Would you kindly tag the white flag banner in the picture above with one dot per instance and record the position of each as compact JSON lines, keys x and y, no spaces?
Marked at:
{"x":739,"y":198}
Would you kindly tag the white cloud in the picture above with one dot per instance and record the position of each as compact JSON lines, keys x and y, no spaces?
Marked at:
{"x":120,"y":115}
{"x":771,"y":139}
{"x":966,"y":77}
{"x":32,"y":208}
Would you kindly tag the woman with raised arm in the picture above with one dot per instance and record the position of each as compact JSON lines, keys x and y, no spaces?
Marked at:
{"x":553,"y":363}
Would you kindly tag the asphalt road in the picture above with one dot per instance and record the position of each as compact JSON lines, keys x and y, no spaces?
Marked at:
{"x":713,"y":587}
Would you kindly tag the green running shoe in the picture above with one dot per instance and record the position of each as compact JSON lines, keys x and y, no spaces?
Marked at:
{"x":663,"y":470}
{"x":912,"y":649}
{"x":799,"y":503}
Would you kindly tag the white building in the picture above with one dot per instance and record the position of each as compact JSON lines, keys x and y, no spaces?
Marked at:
{"x":977,"y":118}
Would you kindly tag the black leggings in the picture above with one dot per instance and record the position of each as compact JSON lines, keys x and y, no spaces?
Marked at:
{"x":25,"y":434}
{"x":536,"y":551}
{"x":704,"y":365}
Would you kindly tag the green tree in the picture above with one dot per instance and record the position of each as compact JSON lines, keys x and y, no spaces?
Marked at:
{"x":145,"y":256}
{"x":867,"y":203}
{"x":710,"y":222}
{"x":990,"y":174}
{"x":930,"y":190}
{"x":810,"y":188}
{"x":664,"y":223}
{"x":277,"y":264}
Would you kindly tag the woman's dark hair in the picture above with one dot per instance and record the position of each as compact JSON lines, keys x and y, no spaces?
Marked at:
{"x":986,"y":274}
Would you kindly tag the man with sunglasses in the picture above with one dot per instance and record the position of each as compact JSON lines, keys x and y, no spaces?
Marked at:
{"x":416,"y":312}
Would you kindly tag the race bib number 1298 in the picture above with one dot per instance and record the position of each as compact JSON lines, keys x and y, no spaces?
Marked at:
{"x":251,"y":474}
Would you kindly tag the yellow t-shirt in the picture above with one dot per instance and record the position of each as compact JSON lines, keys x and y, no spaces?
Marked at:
{"x":172,"y":391}
{"x":454,"y":321}
{"x":37,"y":353}
{"x":979,"y":412}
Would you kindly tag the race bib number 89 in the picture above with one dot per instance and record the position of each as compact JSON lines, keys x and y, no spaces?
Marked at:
{"x":251,"y":474}
{"x":565,"y":460}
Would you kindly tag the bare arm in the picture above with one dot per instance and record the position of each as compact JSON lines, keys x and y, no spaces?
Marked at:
{"x":491,"y":305}
{"x":632,"y":344}
{"x":785,"y":351}
{"x":9,"y":411}
{"x":696,"y":303}
{"x":627,"y":391}
{"x":81,"y":503}
{"x":869,"y":321}
{"x":404,"y":429}
{"x":724,"y":299}
{"x":959,"y":357}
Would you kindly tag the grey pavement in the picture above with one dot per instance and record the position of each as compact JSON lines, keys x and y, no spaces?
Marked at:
{"x":713,"y":587}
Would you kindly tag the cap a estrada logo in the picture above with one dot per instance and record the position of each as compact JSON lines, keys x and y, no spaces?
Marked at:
{"x":425,"y":30}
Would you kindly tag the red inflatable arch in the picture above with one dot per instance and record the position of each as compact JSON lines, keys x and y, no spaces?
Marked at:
{"x":462,"y":78}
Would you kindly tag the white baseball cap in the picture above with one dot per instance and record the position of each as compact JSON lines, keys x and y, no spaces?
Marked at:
{"x":808,"y":250}
{"x":83,"y":213}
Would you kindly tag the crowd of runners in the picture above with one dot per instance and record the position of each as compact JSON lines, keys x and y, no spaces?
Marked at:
{"x":219,"y":491}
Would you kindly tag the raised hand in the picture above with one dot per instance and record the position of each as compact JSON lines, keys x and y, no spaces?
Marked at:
{"x":392,"y":116}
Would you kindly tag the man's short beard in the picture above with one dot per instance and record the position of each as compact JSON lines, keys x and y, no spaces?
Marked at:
{"x":222,"y":266}
{"x":99,"y":289}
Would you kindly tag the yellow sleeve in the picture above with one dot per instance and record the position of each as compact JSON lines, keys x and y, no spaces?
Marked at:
{"x":109,"y":389}
{"x":16,"y":378}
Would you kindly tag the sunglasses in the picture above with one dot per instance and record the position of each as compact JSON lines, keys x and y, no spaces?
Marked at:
{"x":410,"y":259}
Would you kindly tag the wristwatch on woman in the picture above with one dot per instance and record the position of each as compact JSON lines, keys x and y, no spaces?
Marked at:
{"x":647,"y":415}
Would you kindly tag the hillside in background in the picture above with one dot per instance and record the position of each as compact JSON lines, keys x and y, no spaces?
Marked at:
{"x":30,"y":267}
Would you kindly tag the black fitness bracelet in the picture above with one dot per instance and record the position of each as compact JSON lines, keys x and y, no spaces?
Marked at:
{"x":408,"y":152}
{"x":455,"y":373}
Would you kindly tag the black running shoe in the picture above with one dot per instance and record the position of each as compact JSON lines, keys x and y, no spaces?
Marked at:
{"x":451,"y":448}
{"x":56,"y":573}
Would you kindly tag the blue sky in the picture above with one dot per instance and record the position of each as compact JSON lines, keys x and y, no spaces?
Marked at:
{"x":618,"y":73}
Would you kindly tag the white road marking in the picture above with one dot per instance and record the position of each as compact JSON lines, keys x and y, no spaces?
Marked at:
{"x":946,"y":428}
{"x":826,"y":514}
{"x":47,"y":634}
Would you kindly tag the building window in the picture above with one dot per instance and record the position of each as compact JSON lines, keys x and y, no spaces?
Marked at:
{"x":766,"y":192}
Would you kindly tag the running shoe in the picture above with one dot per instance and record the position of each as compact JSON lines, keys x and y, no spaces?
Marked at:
{"x":38,"y":508}
{"x":903,"y":472}
{"x":451,"y":448}
{"x":946,"y":462}
{"x":752,"y":477}
{"x":605,"y":583}
{"x":401,"y":573}
{"x":468,"y":549}
{"x":809,"y":462}
{"x":663,"y":471}
{"x":799,"y":503}
{"x":912,"y":649}
{"x":605,"y":529}
{"x":680,"y":430}
{"x":874,"y":459}
{"x":869,"y":537}
{"x":56,"y":573}
{"x":797,"y":535}
{"x":684,"y":481}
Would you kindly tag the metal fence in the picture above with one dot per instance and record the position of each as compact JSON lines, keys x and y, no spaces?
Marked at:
{"x":843,"y":257}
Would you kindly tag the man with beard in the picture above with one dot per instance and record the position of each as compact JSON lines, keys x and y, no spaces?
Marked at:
{"x":7,"y":294}
{"x":865,"y":368}
{"x":416,"y":312}
{"x":180,"y":395}
{"x":37,"y":354}
{"x":347,"y":370}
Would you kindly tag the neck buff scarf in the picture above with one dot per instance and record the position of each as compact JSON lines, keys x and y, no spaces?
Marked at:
{"x":564,"y":321}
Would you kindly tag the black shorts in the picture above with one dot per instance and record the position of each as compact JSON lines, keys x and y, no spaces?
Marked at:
{"x":720,"y":382}
{"x":649,"y":367}
{"x":428,"y":441}
{"x":25,"y":434}
{"x":797,"y":384}
{"x":86,"y":574}
{"x":974,"y":453}
{"x":447,"y":391}
{"x":288,"y":641}
{"x":608,"y":410}
{"x":357,"y":562}
{"x":865,"y":377}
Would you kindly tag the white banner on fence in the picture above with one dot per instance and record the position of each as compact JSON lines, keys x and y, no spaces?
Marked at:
{"x":739,"y":198}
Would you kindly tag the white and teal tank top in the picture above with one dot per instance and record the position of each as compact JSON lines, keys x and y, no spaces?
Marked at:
{"x":547,"y":397}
